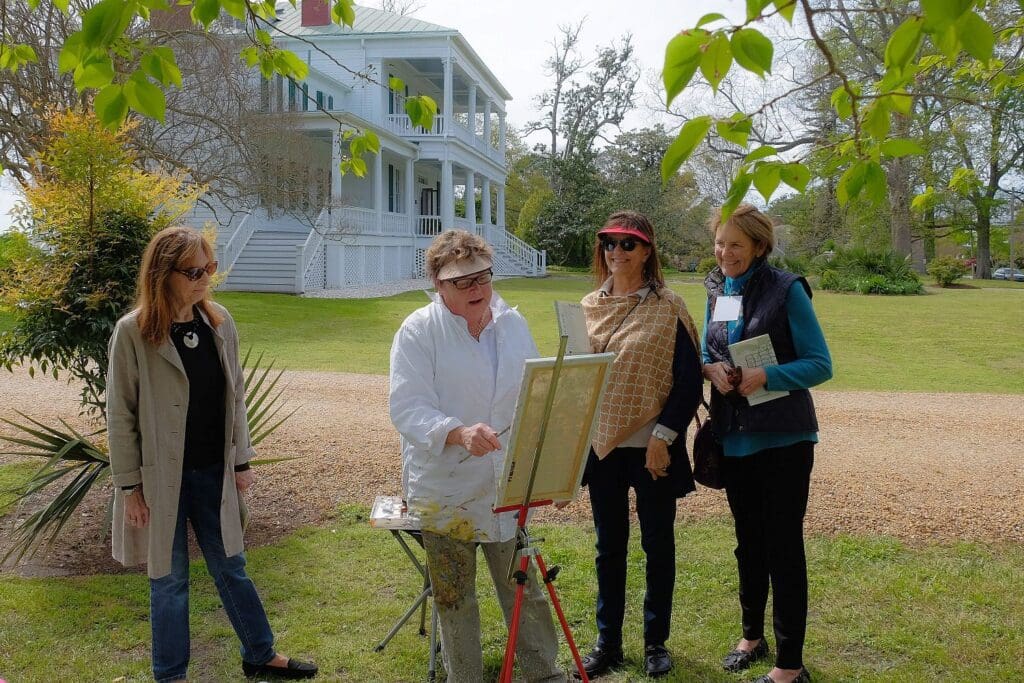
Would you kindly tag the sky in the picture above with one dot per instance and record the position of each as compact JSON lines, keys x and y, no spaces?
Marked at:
{"x":514,"y":38}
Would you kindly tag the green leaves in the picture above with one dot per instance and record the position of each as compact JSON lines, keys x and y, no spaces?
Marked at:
{"x":900,"y":147}
{"x":105,"y":22}
{"x":682,"y":57}
{"x":343,"y":12}
{"x":717,"y":60}
{"x":13,"y":57}
{"x":753,"y":51}
{"x":144,"y":97}
{"x":421,"y":110}
{"x":862,"y":176}
{"x":737,"y":191}
{"x":842,"y":102}
{"x":111,"y":106}
{"x":95,"y":72}
{"x":682,"y":147}
{"x":796,"y":175}
{"x":786,"y":8}
{"x":735,"y":129}
{"x":904,"y":43}
{"x":396,"y":84}
{"x":976,"y":36}
{"x":162,"y":66}
{"x":766,"y":179}
{"x":944,"y":11}
{"x":205,"y":12}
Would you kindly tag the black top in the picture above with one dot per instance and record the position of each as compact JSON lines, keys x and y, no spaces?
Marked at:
{"x":204,"y":424}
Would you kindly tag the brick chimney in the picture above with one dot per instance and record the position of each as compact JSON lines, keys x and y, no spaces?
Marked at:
{"x":315,"y":13}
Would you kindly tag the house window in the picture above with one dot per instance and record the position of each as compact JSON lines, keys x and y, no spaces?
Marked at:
{"x":305,"y":97}
{"x":319,"y":99}
{"x":291,"y":95}
{"x":330,"y":102}
{"x":394,"y":190}
{"x":264,"y":95}
{"x":278,"y":93}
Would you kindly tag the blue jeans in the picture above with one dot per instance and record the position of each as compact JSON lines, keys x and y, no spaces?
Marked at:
{"x":199,"y":503}
{"x":609,"y":481}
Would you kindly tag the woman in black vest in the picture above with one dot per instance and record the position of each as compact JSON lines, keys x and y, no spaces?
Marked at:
{"x":769,"y":446}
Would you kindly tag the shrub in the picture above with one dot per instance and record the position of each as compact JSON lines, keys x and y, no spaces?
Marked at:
{"x":870,"y":272}
{"x":794,"y":264}
{"x":946,"y":270}
{"x":706,"y":264}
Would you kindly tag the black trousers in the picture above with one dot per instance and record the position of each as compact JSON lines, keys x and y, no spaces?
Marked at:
{"x":609,"y":481}
{"x":767,"y":494}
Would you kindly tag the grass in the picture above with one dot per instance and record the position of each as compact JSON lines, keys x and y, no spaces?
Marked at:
{"x":880,"y":611}
{"x":12,"y":477}
{"x":959,"y":340}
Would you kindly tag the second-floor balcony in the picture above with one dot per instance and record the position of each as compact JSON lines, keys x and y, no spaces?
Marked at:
{"x":402,"y":125}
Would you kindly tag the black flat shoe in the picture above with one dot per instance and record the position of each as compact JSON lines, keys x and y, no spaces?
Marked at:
{"x":293,"y":671}
{"x":599,"y":660}
{"x":803,"y":677}
{"x":738,"y":660}
{"x":657,"y":661}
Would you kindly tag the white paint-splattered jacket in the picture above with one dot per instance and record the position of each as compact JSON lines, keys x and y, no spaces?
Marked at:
{"x":441,"y":379}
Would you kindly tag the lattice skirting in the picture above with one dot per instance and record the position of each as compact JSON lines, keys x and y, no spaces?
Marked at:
{"x":367,"y":265}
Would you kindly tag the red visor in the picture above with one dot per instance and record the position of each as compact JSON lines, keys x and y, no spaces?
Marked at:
{"x":623,"y":230}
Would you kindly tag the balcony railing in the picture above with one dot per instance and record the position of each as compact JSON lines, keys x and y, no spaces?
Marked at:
{"x":402,"y":124}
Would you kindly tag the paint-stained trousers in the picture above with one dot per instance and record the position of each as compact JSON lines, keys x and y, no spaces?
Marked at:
{"x":452,"y":566}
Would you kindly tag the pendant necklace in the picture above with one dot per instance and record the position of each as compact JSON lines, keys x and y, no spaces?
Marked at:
{"x":189,"y":332}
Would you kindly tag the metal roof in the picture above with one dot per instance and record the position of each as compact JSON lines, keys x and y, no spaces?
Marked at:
{"x":368,"y":21}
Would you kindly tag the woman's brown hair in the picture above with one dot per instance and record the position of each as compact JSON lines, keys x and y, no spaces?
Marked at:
{"x":636,"y":221}
{"x":168,"y":251}
{"x":751,"y":222}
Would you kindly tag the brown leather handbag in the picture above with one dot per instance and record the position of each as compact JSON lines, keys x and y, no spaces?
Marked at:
{"x":707,"y":453}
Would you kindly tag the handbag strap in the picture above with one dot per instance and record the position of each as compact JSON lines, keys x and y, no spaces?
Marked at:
{"x":696,"y":413}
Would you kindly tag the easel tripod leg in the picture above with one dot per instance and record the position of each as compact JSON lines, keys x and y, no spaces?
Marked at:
{"x":549,"y":582}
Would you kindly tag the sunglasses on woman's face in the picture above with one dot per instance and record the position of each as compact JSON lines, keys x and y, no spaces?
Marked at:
{"x":194,"y":274}
{"x":467,"y":282}
{"x":627,"y":244}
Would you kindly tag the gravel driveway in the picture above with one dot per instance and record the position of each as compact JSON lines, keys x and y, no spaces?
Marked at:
{"x":920,"y":467}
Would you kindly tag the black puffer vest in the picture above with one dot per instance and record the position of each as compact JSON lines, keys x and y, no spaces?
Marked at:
{"x":764,"y":312}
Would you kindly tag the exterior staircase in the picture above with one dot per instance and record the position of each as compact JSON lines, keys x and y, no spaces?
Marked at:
{"x":267,"y":263}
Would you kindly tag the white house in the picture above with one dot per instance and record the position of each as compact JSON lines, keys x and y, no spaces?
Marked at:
{"x":375,"y":228}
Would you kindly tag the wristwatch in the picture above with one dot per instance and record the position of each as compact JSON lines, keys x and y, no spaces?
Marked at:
{"x":659,"y":433}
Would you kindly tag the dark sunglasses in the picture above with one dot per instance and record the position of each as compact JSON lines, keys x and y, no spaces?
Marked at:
{"x":193,"y":274}
{"x":627,"y":244}
{"x":467,"y":282}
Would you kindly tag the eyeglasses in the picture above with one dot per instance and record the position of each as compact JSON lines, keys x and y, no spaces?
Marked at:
{"x":627,"y":244}
{"x":467,"y":282}
{"x":194,"y":274}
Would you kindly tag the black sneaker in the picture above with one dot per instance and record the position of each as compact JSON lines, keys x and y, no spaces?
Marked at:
{"x":599,"y":660}
{"x":657,"y":661}
{"x":293,"y":671}
{"x":738,"y":660}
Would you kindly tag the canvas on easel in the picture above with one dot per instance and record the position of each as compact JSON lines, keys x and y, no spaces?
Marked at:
{"x":578,"y":395}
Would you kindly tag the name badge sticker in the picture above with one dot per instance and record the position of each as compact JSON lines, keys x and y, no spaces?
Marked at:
{"x":727,"y":309}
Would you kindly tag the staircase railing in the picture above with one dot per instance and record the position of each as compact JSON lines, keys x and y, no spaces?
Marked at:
{"x":232,"y":249}
{"x":533,"y":259}
{"x":310,"y":271}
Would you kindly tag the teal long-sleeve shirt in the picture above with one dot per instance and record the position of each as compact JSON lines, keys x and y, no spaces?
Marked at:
{"x":812,"y":366}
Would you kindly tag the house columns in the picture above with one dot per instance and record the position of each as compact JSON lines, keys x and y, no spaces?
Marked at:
{"x":378,"y":188}
{"x":501,"y":206}
{"x":501,"y":132}
{"x":448,"y":99}
{"x":471,"y":108}
{"x":447,"y":196}
{"x":487,"y":122}
{"x":335,"y":168}
{"x":471,"y":198}
{"x":485,"y":202}
{"x":410,"y":188}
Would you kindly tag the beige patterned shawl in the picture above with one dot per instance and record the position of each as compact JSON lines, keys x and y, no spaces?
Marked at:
{"x":643,"y":336}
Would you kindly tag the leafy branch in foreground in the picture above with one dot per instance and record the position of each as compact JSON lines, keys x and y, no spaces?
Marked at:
{"x":76,"y":462}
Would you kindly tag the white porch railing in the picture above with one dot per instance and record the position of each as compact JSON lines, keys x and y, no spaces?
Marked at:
{"x":402,"y":124}
{"x":395,"y":224}
{"x":427,"y":226}
{"x":232,"y":249}
{"x":311,"y":272}
{"x":354,"y":220}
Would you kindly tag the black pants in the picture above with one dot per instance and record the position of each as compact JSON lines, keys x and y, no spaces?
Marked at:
{"x":767,"y":494}
{"x":609,"y":481}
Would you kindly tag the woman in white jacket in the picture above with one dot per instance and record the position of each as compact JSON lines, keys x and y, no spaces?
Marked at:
{"x":456,"y":366}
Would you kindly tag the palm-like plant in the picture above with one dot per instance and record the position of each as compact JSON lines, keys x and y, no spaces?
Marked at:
{"x":77,"y":462}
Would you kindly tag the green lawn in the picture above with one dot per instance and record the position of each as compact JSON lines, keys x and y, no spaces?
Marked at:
{"x":961,"y":340}
{"x":879,"y":611}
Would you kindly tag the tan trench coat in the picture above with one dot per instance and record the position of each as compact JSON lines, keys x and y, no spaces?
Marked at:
{"x":147,"y":402}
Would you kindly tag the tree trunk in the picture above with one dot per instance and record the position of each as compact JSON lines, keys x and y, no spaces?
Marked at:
{"x":899,"y":202}
{"x":983,"y":229}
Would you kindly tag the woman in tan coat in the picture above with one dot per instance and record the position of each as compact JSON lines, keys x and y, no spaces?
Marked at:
{"x":180,"y":450}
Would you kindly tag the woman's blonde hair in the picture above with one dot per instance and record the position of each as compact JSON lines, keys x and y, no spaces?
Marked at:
{"x":168,"y":251}
{"x":751,"y":222}
{"x":455,"y":245}
{"x":636,"y":221}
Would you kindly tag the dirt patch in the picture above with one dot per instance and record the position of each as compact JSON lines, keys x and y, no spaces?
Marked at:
{"x":920,"y":467}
